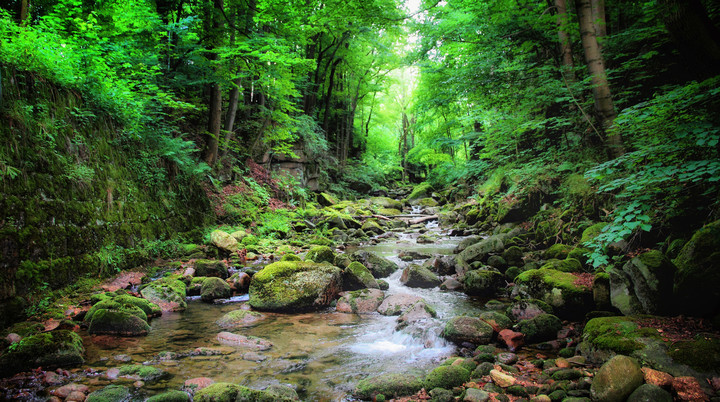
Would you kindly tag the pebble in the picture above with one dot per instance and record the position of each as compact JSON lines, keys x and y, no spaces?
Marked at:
{"x":199,"y":382}
{"x":68,"y":389}
{"x":507,"y":358}
{"x":113,"y":373}
{"x":13,"y":337}
{"x":501,"y":379}
{"x":75,"y":396}
{"x":476,"y":395}
{"x":122,"y":358}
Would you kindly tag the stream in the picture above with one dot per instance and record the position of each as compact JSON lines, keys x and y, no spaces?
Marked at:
{"x":321,"y":354}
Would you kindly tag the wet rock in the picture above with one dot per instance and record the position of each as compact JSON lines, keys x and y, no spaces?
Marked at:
{"x":320,"y":254}
{"x":468,"y":329}
{"x":697,"y":283}
{"x":566,"y":265}
{"x":645,"y":285}
{"x":66,"y":390}
{"x":616,"y":379}
{"x":426,"y":239}
{"x":214,"y":288}
{"x":601,"y":291}
{"x":417,"y":276}
{"x":498,"y":321}
{"x":218,"y":392}
{"x":479,"y":251}
{"x":411,"y":255}
{"x":501,"y":379}
{"x":441,"y":395}
{"x":254,"y":357}
{"x":567,"y":374}
{"x":364,"y":301}
{"x":170,"y":396}
{"x":240,"y":281}
{"x":198,"y":383}
{"x":483,"y":282}
{"x":513,"y":255}
{"x":419,"y":311}
{"x":451,"y":284}
{"x":248,"y":342}
{"x":111,"y":393}
{"x":557,"y":251}
{"x":212,"y":268}
{"x":389,"y":385}
{"x":295,"y":285}
{"x":442,"y":265}
{"x":142,"y":372}
{"x":240,"y":318}
{"x":507,"y":358}
{"x":446,"y":377}
{"x":543,"y":327}
{"x":224,"y":241}
{"x":386,"y":202}
{"x":122,"y":358}
{"x":606,"y":336}
{"x":649,"y":393}
{"x":513,"y":340}
{"x":122,"y":315}
{"x":282,"y":391}
{"x":372,"y":227}
{"x":482,"y":369}
{"x":168,"y":294}
{"x":49,"y":350}
{"x":396,"y":304}
{"x":556,"y":288}
{"x":380,"y":267}
{"x":76,"y":396}
{"x":356,"y":276}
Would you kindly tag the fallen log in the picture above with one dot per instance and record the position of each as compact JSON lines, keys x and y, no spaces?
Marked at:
{"x":423,"y":219}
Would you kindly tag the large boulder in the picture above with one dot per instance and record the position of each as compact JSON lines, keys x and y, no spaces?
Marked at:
{"x":111,"y":393}
{"x":214,"y":288}
{"x":372,"y":227}
{"x":563,"y":291}
{"x":467,"y":329}
{"x":543,"y":327}
{"x":356,"y":276}
{"x":483,"y":282}
{"x":379,"y":266}
{"x":211,"y":268}
{"x":418,"y":312}
{"x":417,"y":276}
{"x":447,"y":377}
{"x":167,"y":293}
{"x":697,"y":282}
{"x":364,"y":301}
{"x":48,"y":350}
{"x":388,"y":385}
{"x":420,"y":191}
{"x":398,"y":303}
{"x":643,"y":285}
{"x":122,"y":315}
{"x":320,"y":254}
{"x":480,"y":251}
{"x":295,"y":285}
{"x":385,"y":202}
{"x":224,"y":241}
{"x":616,"y":379}
{"x":604,"y":337}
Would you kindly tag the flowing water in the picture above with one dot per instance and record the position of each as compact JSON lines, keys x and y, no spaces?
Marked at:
{"x":322,"y":354}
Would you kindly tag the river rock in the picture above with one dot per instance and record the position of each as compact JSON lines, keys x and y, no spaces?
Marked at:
{"x":248,"y":342}
{"x":110,"y":393}
{"x":650,"y":393}
{"x":66,"y":390}
{"x":170,"y":396}
{"x":446,"y":377}
{"x":390,"y":385}
{"x":380,"y":267}
{"x":542,"y":328}
{"x":198,"y":383}
{"x":385,"y":202}
{"x":214,"y":288}
{"x":643,"y":285}
{"x":442,"y":265}
{"x":282,"y":391}
{"x":364,"y":301}
{"x":697,"y":283}
{"x":240,"y":281}
{"x":224,"y":241}
{"x":122,"y":315}
{"x":556,"y":288}
{"x":169,"y":294}
{"x":527,"y":309}
{"x":451,"y":284}
{"x":483,"y":282}
{"x":295,"y":285}
{"x":419,"y":311}
{"x":211,"y":268}
{"x":396,"y":304}
{"x":467,"y":329}
{"x":356,"y":276}
{"x":417,"y":276}
{"x":480,"y":251}
{"x":616,"y":379}
{"x":501,"y":379}
{"x":240,"y":318}
{"x":689,"y":389}
{"x":142,"y":372}
{"x":372,"y":227}
{"x":320,"y":254}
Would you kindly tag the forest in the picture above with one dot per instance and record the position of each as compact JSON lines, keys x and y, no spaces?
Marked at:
{"x":360,"y":200}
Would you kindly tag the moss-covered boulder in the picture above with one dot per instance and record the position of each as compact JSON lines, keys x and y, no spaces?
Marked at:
{"x":170,"y":396}
{"x":616,"y":379}
{"x":224,"y":241}
{"x":372,"y":227}
{"x":644,"y":285}
{"x":111,"y":393}
{"x":543,"y":327}
{"x":356,"y":276}
{"x":214,"y":288}
{"x":211,"y":268}
{"x":604,"y":337}
{"x":142,"y":372}
{"x":480,"y":251}
{"x":295,"y":285}
{"x":385,"y":202}
{"x":566,"y":265}
{"x":389,"y":385}
{"x":217,"y":392}
{"x":320,"y":254}
{"x":592,"y":232}
{"x":420,"y":191}
{"x":467,"y":329}
{"x":397,"y":304}
{"x":527,"y":309}
{"x":325,"y":199}
{"x":557,"y":251}
{"x":49,"y":350}
{"x":513,"y":255}
{"x":379,"y":266}
{"x":482,"y":282}
{"x":240,"y":318}
{"x":447,"y":377}
{"x":364,"y":301}
{"x":418,"y":276}
{"x":122,"y":315}
{"x":697,"y":282}
{"x":563,"y":291}
{"x":418,"y":312}
{"x":169,"y":294}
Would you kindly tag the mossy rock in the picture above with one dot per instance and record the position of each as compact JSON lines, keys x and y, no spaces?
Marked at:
{"x":48,"y":350}
{"x":556,"y":288}
{"x":422,"y":190}
{"x":701,"y":353}
{"x":214,"y":288}
{"x":580,"y":254}
{"x":566,"y":265}
{"x":217,"y":392}
{"x":356,"y":276}
{"x":467,"y":329}
{"x":543,"y":327}
{"x":320,"y":254}
{"x":170,"y":396}
{"x":290,"y":257}
{"x":295,"y":285}
{"x":249,"y":240}
{"x":373,"y":227}
{"x":592,"y":232}
{"x":385,"y":202}
{"x":282,"y":391}
{"x":483,"y":282}
{"x":379,"y":266}
{"x":697,"y":282}
{"x":363,"y":301}
{"x":616,"y":379}
{"x":211,"y":268}
{"x":418,"y":276}
{"x":325,"y":199}
{"x":388,"y":211}
{"x":446,"y":377}
{"x":224,"y":241}
{"x":427,"y":202}
{"x":117,"y":322}
{"x":143,"y":372}
{"x":240,"y":318}
{"x":644,"y":285}
{"x":126,"y":302}
{"x":558,"y":251}
{"x":621,"y":335}
{"x":167,"y":293}
{"x":498,"y":319}
{"x":111,"y":393}
{"x":513,"y":255}
{"x":390,"y":385}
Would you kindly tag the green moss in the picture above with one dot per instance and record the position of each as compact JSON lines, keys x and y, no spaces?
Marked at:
{"x":145,"y":373}
{"x":170,"y":396}
{"x":111,"y":393}
{"x":566,"y":265}
{"x":320,"y":254}
{"x":294,"y":285}
{"x":50,"y":350}
{"x":290,"y":257}
{"x":553,"y":279}
{"x":115,"y":322}
{"x":618,"y":334}
{"x":421,"y":190}
{"x":701,"y":353}
{"x":446,"y":377}
{"x":389,"y":385}
{"x":592,"y":232}
{"x":558,"y":251}
{"x":218,"y":392}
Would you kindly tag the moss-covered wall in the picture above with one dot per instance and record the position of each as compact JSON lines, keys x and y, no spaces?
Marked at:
{"x":73,"y":191}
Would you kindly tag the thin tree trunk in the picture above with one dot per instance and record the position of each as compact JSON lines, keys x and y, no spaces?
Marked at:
{"x":215,"y":103}
{"x":604,"y":106}
{"x":331,"y":84}
{"x":231,"y":114}
{"x":564,"y":39}
{"x":24,"y":6}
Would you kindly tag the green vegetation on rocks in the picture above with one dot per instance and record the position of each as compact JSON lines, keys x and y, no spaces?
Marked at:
{"x":556,"y":288}
{"x":697,"y":282}
{"x":295,"y":285}
{"x":379,"y":266}
{"x":143,"y":372}
{"x":169,"y":294}
{"x":543,"y":327}
{"x":214,"y":288}
{"x":446,"y":377}
{"x":356,"y":276}
{"x":616,"y":379}
{"x":390,"y":385}
{"x":170,"y":396}
{"x":211,"y":268}
{"x":320,"y":254}
{"x":111,"y":393}
{"x":483,"y":282}
{"x":616,"y":334}
{"x":467,"y":329}
{"x":48,"y":350}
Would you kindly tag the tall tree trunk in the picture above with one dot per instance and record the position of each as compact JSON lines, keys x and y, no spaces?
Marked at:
{"x":231,"y":114}
{"x":24,"y":6}
{"x":215,"y":103}
{"x":331,"y":85}
{"x":598,"y":17}
{"x":604,"y":107}
{"x":564,"y":39}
